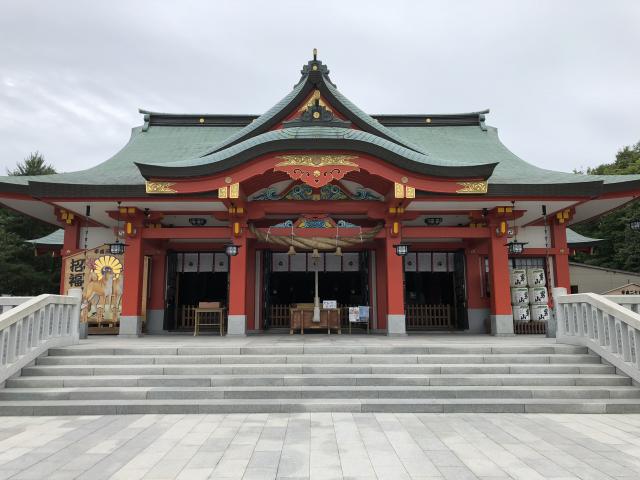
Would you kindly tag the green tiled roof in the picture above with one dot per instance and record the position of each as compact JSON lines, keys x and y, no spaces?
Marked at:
{"x":347,"y":135}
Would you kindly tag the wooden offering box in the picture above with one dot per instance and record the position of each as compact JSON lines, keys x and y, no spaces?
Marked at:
{"x":302,"y":317}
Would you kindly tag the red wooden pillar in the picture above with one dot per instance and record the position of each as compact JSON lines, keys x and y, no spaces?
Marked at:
{"x":561,"y":258}
{"x":477,"y":305}
{"x":381,"y":286}
{"x":501,"y":314}
{"x":237,"y":319}
{"x":396,"y":321}
{"x":131,"y":317}
{"x":250,"y":289}
{"x":155,"y":309}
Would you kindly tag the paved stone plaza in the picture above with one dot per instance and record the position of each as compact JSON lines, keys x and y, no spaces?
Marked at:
{"x":322,"y":446}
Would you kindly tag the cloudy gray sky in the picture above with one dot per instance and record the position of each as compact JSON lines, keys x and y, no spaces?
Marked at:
{"x":562,"y":78}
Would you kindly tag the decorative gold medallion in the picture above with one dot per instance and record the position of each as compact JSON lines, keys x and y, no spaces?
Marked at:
{"x":473,"y":187}
{"x":159,"y":187}
{"x":316,"y":170}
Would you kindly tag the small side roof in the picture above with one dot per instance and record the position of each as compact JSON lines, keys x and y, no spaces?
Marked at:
{"x":54,"y":238}
{"x":576,"y":240}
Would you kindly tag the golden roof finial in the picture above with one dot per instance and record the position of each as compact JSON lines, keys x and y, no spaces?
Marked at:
{"x":315,"y":53}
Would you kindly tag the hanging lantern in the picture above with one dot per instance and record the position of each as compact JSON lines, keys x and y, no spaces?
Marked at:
{"x":231,"y":249}
{"x":401,"y":249}
{"x":292,"y":251}
{"x":116,"y":248}
{"x":515,"y":247}
{"x":315,"y":253}
{"x":338,"y":251}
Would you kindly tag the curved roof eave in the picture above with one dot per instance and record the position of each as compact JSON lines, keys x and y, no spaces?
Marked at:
{"x":323,"y":138}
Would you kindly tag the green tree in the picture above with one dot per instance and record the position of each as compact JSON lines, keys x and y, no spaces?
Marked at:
{"x":622,"y":248}
{"x":23,"y":273}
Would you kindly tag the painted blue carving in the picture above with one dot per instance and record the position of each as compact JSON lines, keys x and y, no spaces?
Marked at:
{"x":299,"y":192}
{"x":285,"y":224}
{"x":269,"y":193}
{"x":332,"y":192}
{"x":363,"y":194}
{"x":313,"y":223}
{"x":345,"y":224}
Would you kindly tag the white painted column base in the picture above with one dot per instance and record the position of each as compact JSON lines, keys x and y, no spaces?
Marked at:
{"x":396,"y":325}
{"x":502,"y":325}
{"x":130,"y":326}
{"x":237,"y":325}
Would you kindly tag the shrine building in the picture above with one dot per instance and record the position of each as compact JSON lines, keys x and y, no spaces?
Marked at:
{"x":417,"y":220}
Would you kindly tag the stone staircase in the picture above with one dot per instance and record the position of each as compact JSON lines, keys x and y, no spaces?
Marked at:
{"x":358,"y":377}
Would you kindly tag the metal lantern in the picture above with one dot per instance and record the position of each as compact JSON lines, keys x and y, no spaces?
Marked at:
{"x":635,"y":224}
{"x":231,"y":249}
{"x":515,"y":247}
{"x":401,"y":249}
{"x":198,"y":221}
{"x":116,"y":248}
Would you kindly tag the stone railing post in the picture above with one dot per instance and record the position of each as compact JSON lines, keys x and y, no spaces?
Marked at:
{"x":79,"y":328}
{"x":556,"y":321}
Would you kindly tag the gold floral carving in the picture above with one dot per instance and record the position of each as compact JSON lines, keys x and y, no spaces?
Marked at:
{"x":316,"y":160}
{"x":234,"y":190}
{"x":159,"y":187}
{"x":473,"y":187}
{"x":398,"y":191}
{"x":410,"y":192}
{"x":315,"y":96}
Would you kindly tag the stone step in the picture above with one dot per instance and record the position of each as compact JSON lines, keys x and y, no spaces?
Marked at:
{"x":317,"y":380}
{"x":352,"y":349}
{"x":312,"y":359}
{"x":235,"y":369}
{"x":205,"y":406}
{"x":315,"y":392}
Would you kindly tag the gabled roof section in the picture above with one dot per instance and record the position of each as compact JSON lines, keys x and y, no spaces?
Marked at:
{"x":54,"y":238}
{"x":577,"y":240}
{"x":315,"y":76}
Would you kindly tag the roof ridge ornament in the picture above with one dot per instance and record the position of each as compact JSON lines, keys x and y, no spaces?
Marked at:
{"x":315,"y":67}
{"x":316,"y":113}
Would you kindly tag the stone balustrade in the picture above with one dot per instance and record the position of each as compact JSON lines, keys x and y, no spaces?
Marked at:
{"x":32,"y":325}
{"x":608,"y":325}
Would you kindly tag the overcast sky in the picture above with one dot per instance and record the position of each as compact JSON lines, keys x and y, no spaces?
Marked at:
{"x":562,"y":78}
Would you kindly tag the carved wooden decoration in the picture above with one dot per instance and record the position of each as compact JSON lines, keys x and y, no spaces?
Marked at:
{"x":316,"y":170}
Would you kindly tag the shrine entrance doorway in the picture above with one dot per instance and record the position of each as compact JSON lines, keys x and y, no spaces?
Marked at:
{"x":435,"y":291}
{"x":290,"y":280}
